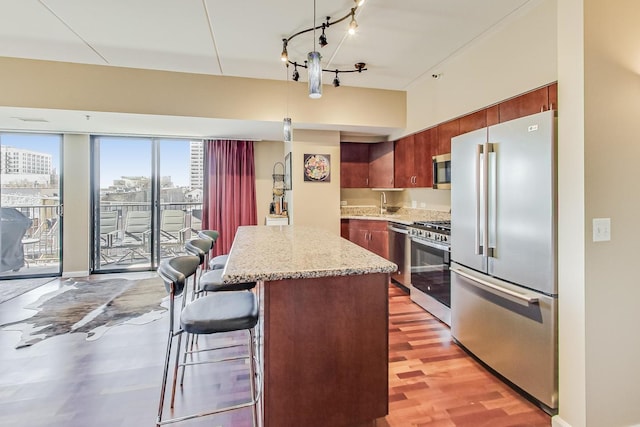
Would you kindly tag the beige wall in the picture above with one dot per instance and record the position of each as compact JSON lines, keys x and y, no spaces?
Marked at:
{"x":60,"y":85}
{"x":315,"y":204}
{"x":599,"y":98}
{"x":611,"y":150}
{"x":266,"y":154}
{"x":571,"y":217}
{"x":76,"y":220}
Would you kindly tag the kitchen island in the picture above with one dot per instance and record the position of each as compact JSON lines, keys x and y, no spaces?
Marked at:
{"x":324,"y":304}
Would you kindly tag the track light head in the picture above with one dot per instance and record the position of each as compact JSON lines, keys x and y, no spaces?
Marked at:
{"x":296,"y":75}
{"x":336,"y":81}
{"x":284,"y":56}
{"x":353,"y":25}
{"x":322,"y":40}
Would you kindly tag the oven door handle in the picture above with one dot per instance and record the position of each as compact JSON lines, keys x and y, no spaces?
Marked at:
{"x":430,"y":244}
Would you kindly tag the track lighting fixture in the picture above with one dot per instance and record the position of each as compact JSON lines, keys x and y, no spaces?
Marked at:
{"x":353,"y":25}
{"x":296,"y":75}
{"x":284,"y":56}
{"x":322,"y":40}
{"x":313,"y":62}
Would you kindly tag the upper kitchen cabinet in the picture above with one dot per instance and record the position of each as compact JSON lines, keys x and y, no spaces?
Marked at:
{"x":553,"y":96}
{"x":532,"y":102}
{"x":473,"y":121}
{"x":354,"y":165}
{"x":381,"y":165}
{"x":446,"y":131}
{"x":412,"y":162}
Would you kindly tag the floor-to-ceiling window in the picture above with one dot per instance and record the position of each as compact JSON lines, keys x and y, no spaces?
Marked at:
{"x":147,"y":196}
{"x":30,"y":205}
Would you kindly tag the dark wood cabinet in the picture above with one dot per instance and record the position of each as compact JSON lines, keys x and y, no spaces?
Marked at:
{"x":407,"y":162}
{"x":446,"y":131}
{"x":493,"y":115}
{"x":354,"y":165}
{"x":424,"y":149}
{"x":403,"y":166}
{"x":344,"y":228}
{"x":371,"y":235}
{"x":553,"y":96}
{"x":473,"y":121}
{"x":524,"y":105}
{"x":381,"y":165}
{"x":412,"y":159}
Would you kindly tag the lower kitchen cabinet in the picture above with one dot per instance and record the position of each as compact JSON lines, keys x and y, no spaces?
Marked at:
{"x":371,"y":235}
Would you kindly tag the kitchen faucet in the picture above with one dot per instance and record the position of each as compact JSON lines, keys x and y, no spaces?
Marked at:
{"x":383,"y":202}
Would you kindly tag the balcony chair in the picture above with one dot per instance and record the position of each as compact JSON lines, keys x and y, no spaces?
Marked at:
{"x":108,"y":234}
{"x":172,"y":231}
{"x":211,"y":314}
{"x":134,"y":235}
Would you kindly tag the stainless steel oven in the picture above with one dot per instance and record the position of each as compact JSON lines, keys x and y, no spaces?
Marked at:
{"x":430,"y":276}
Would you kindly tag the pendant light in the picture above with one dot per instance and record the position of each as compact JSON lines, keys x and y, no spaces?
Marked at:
{"x":287,"y":130}
{"x":313,"y":62}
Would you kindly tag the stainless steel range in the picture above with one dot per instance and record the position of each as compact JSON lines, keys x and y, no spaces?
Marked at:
{"x":430,"y":277}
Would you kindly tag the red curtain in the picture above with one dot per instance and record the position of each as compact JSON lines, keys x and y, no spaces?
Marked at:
{"x":229,"y":189}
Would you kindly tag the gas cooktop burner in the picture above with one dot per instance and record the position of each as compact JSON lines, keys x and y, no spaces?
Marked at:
{"x":437,"y":225}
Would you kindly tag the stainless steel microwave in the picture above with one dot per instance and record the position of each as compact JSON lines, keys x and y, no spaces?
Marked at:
{"x":442,"y":172}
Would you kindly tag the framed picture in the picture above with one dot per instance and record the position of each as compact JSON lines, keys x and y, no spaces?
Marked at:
{"x":317,"y":167}
{"x":287,"y":171}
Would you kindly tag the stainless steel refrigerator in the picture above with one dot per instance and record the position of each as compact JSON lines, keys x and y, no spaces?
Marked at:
{"x":504,"y":293}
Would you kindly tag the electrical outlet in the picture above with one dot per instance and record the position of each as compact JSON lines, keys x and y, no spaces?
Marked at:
{"x":601,"y":229}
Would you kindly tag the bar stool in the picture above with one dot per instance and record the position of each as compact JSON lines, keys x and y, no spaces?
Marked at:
{"x":211,"y":314}
{"x":208,"y":281}
{"x":217,"y":262}
{"x":209,"y":234}
{"x":211,"y":281}
{"x":199,"y":248}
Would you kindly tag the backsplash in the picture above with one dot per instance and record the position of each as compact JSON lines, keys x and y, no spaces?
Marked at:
{"x":405,"y":213}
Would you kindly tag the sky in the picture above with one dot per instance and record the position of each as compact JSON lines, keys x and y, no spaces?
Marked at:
{"x":119,"y":156}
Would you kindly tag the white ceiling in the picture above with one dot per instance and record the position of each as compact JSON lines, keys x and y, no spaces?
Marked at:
{"x":400,"y":41}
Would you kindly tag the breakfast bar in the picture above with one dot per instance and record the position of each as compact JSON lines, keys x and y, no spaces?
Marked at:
{"x":324,"y":305}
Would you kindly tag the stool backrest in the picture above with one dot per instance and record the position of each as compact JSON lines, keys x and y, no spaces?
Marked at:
{"x":199,"y":247}
{"x":175,"y":272}
{"x":209,"y":234}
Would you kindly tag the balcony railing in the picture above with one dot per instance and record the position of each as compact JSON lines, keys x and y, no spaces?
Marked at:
{"x":31,"y":241}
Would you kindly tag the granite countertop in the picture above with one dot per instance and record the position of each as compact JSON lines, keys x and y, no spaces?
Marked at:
{"x":403,"y":219}
{"x":297,"y":252}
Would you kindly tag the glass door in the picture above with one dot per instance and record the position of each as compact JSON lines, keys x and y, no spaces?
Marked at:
{"x":30,"y":205}
{"x":146,"y":193}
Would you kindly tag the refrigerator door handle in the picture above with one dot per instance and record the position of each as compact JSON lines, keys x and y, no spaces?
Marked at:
{"x":528,"y":298}
{"x":479,"y":248}
{"x":492,"y":197}
{"x":485,"y":198}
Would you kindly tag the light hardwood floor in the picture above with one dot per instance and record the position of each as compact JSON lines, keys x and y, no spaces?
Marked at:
{"x":114,"y":380}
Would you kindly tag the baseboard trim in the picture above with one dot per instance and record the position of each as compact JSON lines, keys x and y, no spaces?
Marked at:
{"x":67,"y":274}
{"x":556,"y":421}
